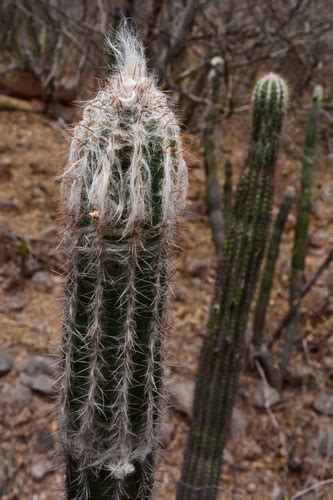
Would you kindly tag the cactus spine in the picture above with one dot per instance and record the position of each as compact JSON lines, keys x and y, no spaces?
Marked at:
{"x":123,"y":187}
{"x":268,"y":274}
{"x":237,"y":275}
{"x":302,"y":226}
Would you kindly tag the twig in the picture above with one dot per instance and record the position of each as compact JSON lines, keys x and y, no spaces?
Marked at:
{"x":293,"y":309}
{"x":311,"y":488}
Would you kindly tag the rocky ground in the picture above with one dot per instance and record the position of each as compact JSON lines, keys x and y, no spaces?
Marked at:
{"x":274,"y":452}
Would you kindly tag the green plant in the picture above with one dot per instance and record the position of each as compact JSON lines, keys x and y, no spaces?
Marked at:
{"x":268,"y":274}
{"x":302,"y":227}
{"x":123,"y":187}
{"x":238,"y":270}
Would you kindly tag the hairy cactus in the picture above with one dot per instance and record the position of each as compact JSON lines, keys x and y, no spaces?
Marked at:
{"x":268,"y":274}
{"x":219,"y":366}
{"x":123,"y":187}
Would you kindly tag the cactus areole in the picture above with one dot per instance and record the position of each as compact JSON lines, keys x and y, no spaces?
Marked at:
{"x":238,"y":270}
{"x":123,"y":187}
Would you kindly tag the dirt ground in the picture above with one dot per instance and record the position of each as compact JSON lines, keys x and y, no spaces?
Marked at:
{"x":272,"y":454}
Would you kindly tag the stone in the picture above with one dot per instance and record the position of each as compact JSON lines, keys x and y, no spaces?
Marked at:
{"x":6,"y":364}
{"x":299,"y":374}
{"x":41,"y":469}
{"x":319,"y":238}
{"x":239,"y":422}
{"x":38,"y":364}
{"x":325,"y":440}
{"x":181,"y":394}
{"x":16,"y":397}
{"x":254,"y":451}
{"x":166,"y":434}
{"x":40,"y":383}
{"x":196,"y":267}
{"x":38,"y":373}
{"x":323,"y":403}
{"x":317,"y":299}
{"x":42,"y":280}
{"x":7,"y":205}
{"x":45,"y":440}
{"x":265,"y":396}
{"x":15,"y":305}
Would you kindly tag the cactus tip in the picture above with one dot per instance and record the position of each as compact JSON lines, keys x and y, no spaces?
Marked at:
{"x":272,"y":86}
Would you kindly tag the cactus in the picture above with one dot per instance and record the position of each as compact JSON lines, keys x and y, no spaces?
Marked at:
{"x":123,"y":188}
{"x":268,"y":274}
{"x":302,"y":226}
{"x":235,"y":286}
{"x":227,"y":194}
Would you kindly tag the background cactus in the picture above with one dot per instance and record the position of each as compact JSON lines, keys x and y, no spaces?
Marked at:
{"x":268,"y":274}
{"x":302,"y":227}
{"x":123,"y":187}
{"x":237,"y":275}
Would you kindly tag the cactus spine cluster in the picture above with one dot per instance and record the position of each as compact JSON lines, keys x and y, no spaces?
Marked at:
{"x":123,"y":188}
{"x":237,"y":275}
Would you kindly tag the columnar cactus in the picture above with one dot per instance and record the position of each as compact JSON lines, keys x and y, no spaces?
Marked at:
{"x":302,"y":226}
{"x":219,"y":367}
{"x":268,"y":274}
{"x":123,"y":187}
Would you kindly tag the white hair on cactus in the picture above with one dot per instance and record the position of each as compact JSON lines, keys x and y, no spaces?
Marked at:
{"x":94,"y":172}
{"x":267,"y":84}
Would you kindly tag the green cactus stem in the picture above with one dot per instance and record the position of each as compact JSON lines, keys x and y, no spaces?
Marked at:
{"x":302,"y":227}
{"x":227,"y":194}
{"x":123,"y":188}
{"x":214,"y":195}
{"x":244,"y":245}
{"x":268,"y":274}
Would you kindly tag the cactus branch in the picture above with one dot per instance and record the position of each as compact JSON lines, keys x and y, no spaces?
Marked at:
{"x":302,"y":227}
{"x":268,"y":274}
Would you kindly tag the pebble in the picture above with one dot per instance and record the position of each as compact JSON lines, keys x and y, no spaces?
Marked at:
{"x":181,"y":394}
{"x":45,"y":440}
{"x":12,"y":305}
{"x":41,"y":469}
{"x":38,"y":373}
{"x":264,"y":396}
{"x":17,"y":397}
{"x":8,"y":205}
{"x":42,"y":281}
{"x":6,"y":364}
{"x":323,"y":404}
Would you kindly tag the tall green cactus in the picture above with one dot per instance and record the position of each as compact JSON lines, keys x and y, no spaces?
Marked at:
{"x":268,"y":274}
{"x":219,"y":367}
{"x":302,"y":226}
{"x":124,"y":185}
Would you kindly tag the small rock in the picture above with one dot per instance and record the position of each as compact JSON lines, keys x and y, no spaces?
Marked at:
{"x":39,"y":383}
{"x":317,"y":300}
{"x":16,"y":397}
{"x":42,"y":280}
{"x":254,"y":451}
{"x":299,"y":374}
{"x":41,"y":469}
{"x":323,"y":404}
{"x":239,"y":422}
{"x":8,"y":205}
{"x":279,"y":493}
{"x":228,"y":459}
{"x":319,"y":238}
{"x":6,"y":364}
{"x":196,"y":267}
{"x":36,"y":365}
{"x":38,"y":372}
{"x":265,"y":396}
{"x":12,"y":305}
{"x":45,"y":440}
{"x":166,"y":435}
{"x":181,"y":394}
{"x":325,"y":440}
